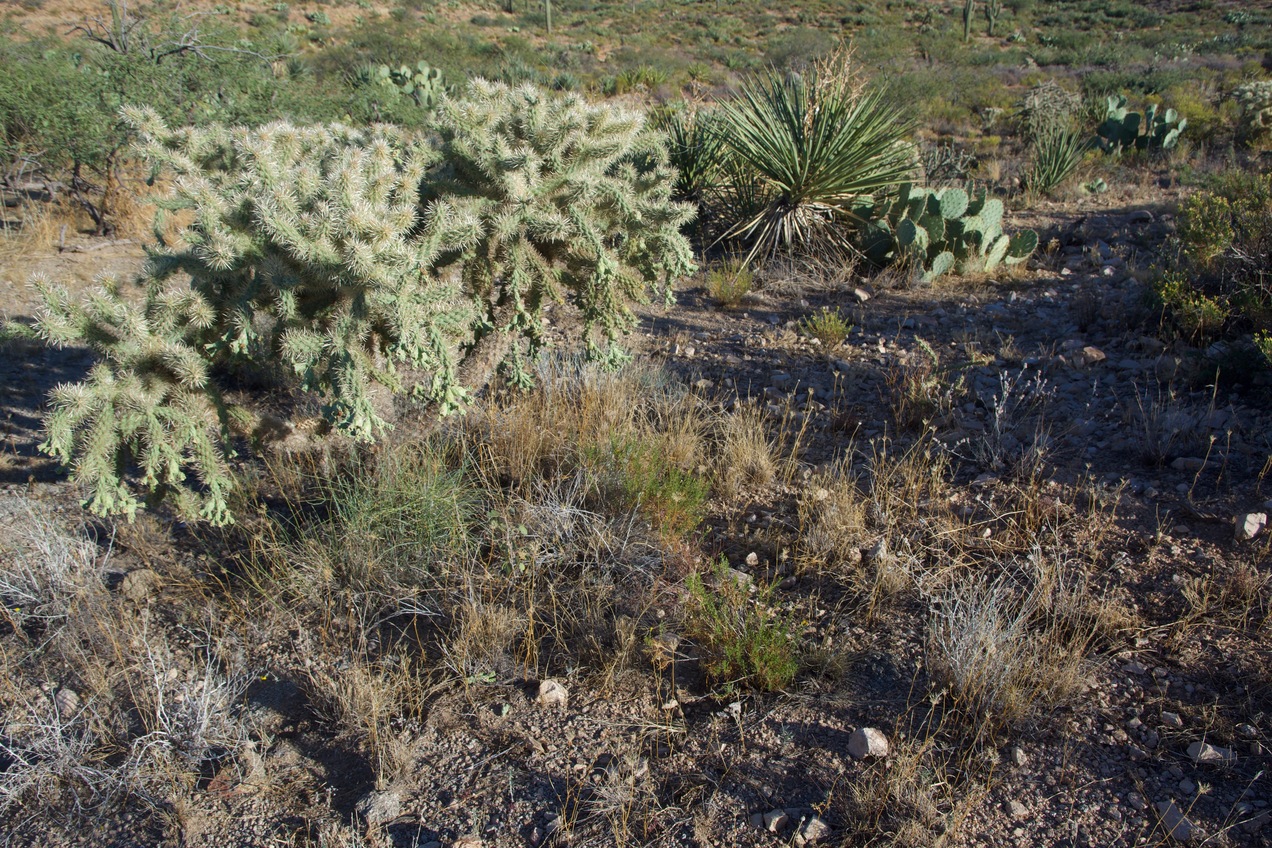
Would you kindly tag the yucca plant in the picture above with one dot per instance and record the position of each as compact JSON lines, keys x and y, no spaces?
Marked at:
{"x":821,"y":144}
{"x":694,"y":148}
{"x":1057,"y":152}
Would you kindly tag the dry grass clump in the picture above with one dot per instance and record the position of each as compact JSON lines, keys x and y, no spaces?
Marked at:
{"x":1006,"y":646}
{"x":102,"y":705}
{"x":748,"y":453}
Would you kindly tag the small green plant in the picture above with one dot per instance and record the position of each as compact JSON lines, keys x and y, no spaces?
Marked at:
{"x":1126,"y":130}
{"x":827,"y":325}
{"x":746,"y":644}
{"x":944,"y":230}
{"x":730,"y":283}
{"x":635,"y":473}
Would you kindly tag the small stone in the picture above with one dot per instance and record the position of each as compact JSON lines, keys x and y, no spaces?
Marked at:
{"x":67,"y":701}
{"x":1188,"y":463}
{"x":861,"y":294}
{"x":1018,"y":756}
{"x":812,"y":831}
{"x":140,"y":585}
{"x":867,"y":742}
{"x":553,"y":694}
{"x":1136,"y":801}
{"x":1134,"y":667}
{"x":1204,"y":752}
{"x":468,"y":842}
{"x":1175,"y":822}
{"x":1187,"y":787}
{"x":753,"y":559}
{"x":1250,"y":525}
{"x":1017,"y":810}
{"x":1172,"y":719}
{"x":380,"y":807}
{"x":1249,"y":731}
{"x":1091,"y":355}
{"x":775,"y":820}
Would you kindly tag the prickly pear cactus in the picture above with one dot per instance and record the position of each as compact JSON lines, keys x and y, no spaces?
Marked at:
{"x":1255,"y":99}
{"x":421,"y":83}
{"x":1123,"y":129}
{"x":942,"y":231}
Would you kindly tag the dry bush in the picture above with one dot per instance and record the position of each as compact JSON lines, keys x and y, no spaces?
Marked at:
{"x":833,"y":513}
{"x":1004,"y":647}
{"x":748,"y":454}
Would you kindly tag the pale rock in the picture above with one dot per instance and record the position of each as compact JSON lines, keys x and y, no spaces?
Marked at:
{"x":775,"y":820}
{"x":867,"y":742}
{"x":67,"y":701}
{"x":140,"y":585}
{"x":1172,"y":719}
{"x":812,"y":831}
{"x":1017,"y":810}
{"x":1250,"y":525}
{"x":553,"y":694}
{"x":1204,"y":752}
{"x":861,"y":295}
{"x":380,"y":807}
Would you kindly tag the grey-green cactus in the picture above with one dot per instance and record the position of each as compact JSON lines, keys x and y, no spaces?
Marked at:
{"x":1123,"y":129}
{"x":944,"y":230}
{"x":421,"y":83}
{"x":1255,"y":100}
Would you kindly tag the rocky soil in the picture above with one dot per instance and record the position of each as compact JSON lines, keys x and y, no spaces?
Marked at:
{"x":1054,"y":381}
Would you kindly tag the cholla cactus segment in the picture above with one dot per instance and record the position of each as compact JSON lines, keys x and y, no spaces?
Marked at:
{"x":544,"y":195}
{"x":149,"y":400}
{"x":1255,"y":99}
{"x":307,"y":241}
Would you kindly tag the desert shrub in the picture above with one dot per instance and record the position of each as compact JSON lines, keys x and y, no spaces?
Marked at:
{"x":362,"y":258}
{"x":730,"y":283}
{"x":745,"y":643}
{"x":1219,"y":283}
{"x":637,"y":474}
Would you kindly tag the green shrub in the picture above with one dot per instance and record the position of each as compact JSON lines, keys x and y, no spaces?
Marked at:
{"x":1220,"y":283}
{"x":635,"y":474}
{"x":730,"y":283}
{"x":827,"y":326}
{"x":363,"y":257}
{"x":1057,"y":152}
{"x":745,"y":643}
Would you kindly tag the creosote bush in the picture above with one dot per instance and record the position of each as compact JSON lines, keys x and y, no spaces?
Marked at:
{"x":361,"y":258}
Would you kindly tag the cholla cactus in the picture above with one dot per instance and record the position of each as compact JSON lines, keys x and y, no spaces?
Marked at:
{"x":361,"y":257}
{"x":1255,"y":99}
{"x":151,"y":399}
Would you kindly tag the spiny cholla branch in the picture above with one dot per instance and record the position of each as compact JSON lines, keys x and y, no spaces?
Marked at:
{"x":350,"y":254}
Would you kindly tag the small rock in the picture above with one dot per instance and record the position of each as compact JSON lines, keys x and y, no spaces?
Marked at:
{"x":1250,"y":525}
{"x":140,"y":585}
{"x":1188,"y":463}
{"x":1017,"y":810}
{"x":1091,"y":355}
{"x":468,"y":842}
{"x":876,"y":552}
{"x":775,"y":820}
{"x":67,"y":701}
{"x":1172,"y":719}
{"x":380,"y":807}
{"x":1204,"y":752}
{"x":1187,"y":787}
{"x":1136,"y":800}
{"x":1134,"y":667}
{"x":867,"y":742}
{"x":1175,"y":822}
{"x":753,"y":559}
{"x":1018,"y":756}
{"x":812,"y":831}
{"x":553,"y":694}
{"x":861,"y":294}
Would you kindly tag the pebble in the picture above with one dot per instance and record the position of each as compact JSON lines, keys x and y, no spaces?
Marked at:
{"x":867,"y":742}
{"x":553,"y":694}
{"x":812,"y":831}
{"x":1250,"y":525}
{"x":380,"y":807}
{"x":1204,"y":752}
{"x":1172,"y":719}
{"x":1175,"y":822}
{"x":775,"y":820}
